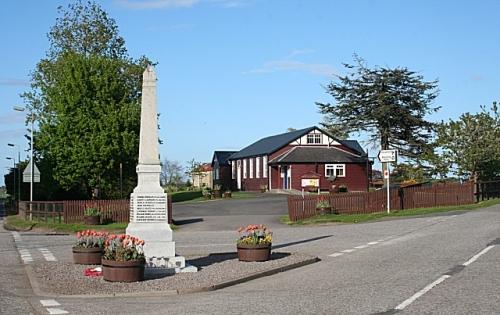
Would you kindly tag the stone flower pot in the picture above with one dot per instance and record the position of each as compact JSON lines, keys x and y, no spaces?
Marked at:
{"x":87,"y":256}
{"x":123,"y":271}
{"x":258,"y":252}
{"x":92,"y":220}
{"x":217,"y":194}
{"x":324,"y":210}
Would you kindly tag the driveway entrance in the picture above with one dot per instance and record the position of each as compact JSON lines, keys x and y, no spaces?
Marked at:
{"x":229,"y":214}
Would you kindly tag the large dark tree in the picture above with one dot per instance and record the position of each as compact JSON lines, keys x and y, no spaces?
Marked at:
{"x":389,"y":104}
{"x":86,"y":96}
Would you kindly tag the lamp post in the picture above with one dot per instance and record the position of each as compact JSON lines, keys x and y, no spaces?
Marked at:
{"x":18,"y":170}
{"x":32,"y":114}
{"x":22,"y":109}
{"x":14,"y":182}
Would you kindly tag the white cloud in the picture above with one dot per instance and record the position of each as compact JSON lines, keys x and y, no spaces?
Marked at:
{"x":288,"y":64}
{"x":172,"y":4}
{"x":156,"y":4}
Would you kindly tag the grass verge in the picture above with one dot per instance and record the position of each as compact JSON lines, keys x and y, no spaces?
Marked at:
{"x":14,"y":222}
{"x":358,"y":218}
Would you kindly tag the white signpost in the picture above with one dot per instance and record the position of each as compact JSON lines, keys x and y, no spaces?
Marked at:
{"x":386,"y":156}
{"x":27,"y":173}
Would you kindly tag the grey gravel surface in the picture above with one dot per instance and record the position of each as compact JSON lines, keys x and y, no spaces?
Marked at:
{"x":68,"y":279}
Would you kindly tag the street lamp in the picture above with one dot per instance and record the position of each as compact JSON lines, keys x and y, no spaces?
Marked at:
{"x":18,"y":170}
{"x":22,"y":109}
{"x":14,"y":182}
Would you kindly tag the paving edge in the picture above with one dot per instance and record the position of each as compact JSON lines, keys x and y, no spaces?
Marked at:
{"x":39,"y":292}
{"x":250,"y":277}
{"x":9,"y":227}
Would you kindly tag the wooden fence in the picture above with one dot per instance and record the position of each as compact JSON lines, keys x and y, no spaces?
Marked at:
{"x":72,"y":211}
{"x":370,"y":202}
{"x":47,"y":211}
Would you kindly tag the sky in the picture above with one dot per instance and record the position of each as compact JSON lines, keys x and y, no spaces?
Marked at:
{"x":233,"y":71}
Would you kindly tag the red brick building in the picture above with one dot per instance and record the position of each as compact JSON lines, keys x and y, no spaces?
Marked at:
{"x":287,"y":160}
{"x":222,"y":170}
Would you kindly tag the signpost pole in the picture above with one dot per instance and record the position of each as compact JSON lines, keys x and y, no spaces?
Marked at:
{"x":388,"y":189}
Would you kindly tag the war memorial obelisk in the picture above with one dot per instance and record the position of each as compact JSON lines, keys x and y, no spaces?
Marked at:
{"x":148,"y":201}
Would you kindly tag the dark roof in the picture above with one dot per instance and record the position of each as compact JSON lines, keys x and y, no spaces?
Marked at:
{"x":270,"y":144}
{"x":354,"y":145}
{"x":222,"y":157}
{"x":317,"y":155}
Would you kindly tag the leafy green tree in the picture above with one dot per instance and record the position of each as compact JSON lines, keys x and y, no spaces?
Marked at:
{"x":470,"y":145}
{"x":389,"y":104}
{"x":86,"y":96}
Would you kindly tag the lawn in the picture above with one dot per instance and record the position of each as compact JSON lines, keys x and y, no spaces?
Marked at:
{"x":14,"y":222}
{"x":358,"y":218}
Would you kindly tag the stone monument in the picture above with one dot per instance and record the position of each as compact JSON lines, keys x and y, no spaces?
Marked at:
{"x":148,"y":201}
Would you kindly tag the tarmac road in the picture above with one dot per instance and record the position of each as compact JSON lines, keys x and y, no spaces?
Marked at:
{"x":441,"y":264}
{"x":229,"y":214}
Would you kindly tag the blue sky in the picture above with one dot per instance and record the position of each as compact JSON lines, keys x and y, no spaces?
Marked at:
{"x":233,"y":71}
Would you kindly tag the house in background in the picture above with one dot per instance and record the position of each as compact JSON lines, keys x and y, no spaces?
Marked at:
{"x":203,"y":176}
{"x":222,"y":170}
{"x":286,"y":161}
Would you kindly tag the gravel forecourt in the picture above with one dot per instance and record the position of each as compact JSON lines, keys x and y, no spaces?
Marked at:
{"x":217,"y":270}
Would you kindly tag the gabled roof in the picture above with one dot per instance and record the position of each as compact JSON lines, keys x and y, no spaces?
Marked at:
{"x":317,"y":155}
{"x":270,"y":144}
{"x":222,"y":157}
{"x":354,"y":145}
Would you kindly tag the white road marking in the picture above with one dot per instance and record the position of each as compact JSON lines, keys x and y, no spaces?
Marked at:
{"x":348,"y":250}
{"x":56,"y":311}
{"x":23,"y":251}
{"x":47,"y":254}
{"x":336,"y":254}
{"x":439,"y":280}
{"x":361,"y":246}
{"x":372,"y":243}
{"x":48,"y":303}
{"x":421,"y":292}
{"x":475,"y":257}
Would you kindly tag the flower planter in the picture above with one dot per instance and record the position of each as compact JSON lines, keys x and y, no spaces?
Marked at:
{"x":258,"y":252}
{"x":217,"y":194}
{"x":123,"y":271}
{"x":92,"y":220}
{"x":87,"y":256}
{"x":324,"y":210}
{"x":227,"y":195}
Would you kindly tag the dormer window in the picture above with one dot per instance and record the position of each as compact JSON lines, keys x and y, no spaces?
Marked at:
{"x":314,"y":138}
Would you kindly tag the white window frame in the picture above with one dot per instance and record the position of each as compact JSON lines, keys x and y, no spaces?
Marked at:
{"x":244,"y":168}
{"x":257,"y":167}
{"x":216,"y":171}
{"x":316,"y":138}
{"x":251,"y":167}
{"x":336,"y":168}
{"x":264,"y":166}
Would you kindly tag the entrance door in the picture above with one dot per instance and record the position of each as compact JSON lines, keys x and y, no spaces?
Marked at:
{"x":238,"y":174}
{"x":285,"y":176}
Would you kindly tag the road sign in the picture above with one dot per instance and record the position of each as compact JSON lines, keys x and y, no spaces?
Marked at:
{"x":387,"y":156}
{"x":386,"y":174}
{"x":27,"y":173}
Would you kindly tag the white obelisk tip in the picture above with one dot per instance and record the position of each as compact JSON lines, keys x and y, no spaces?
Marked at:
{"x":149,"y":74}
